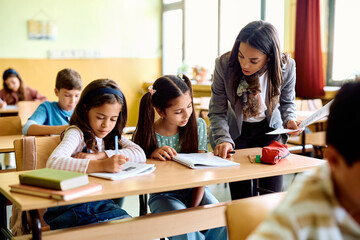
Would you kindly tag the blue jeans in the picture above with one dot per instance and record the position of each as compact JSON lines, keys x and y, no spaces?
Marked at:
{"x":181,"y":199}
{"x":84,"y":213}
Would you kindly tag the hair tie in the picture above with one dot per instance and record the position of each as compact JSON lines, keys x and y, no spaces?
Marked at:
{"x":151,"y":90}
{"x":100,"y":91}
{"x":181,"y":76}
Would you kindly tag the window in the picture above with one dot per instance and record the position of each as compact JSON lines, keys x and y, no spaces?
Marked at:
{"x":201,"y":32}
{"x":233,"y":17}
{"x":343,"y":42}
{"x":172,"y":41}
{"x":195,"y":32}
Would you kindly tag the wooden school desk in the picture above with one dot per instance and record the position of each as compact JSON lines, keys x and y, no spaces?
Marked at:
{"x":168,"y":176}
{"x":7,"y":143}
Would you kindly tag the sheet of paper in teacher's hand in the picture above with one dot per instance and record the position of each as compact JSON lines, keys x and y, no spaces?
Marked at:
{"x":316,"y":116}
{"x":282,"y":131}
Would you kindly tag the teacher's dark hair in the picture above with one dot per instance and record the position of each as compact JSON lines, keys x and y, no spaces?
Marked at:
{"x":264,"y":37}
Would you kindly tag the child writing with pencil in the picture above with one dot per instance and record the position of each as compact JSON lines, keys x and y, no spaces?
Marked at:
{"x":177,"y":130}
{"x":15,"y":90}
{"x":90,"y":145}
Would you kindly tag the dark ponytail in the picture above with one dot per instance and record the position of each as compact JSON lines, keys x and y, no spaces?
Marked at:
{"x":165,"y":89}
{"x":144,"y":134}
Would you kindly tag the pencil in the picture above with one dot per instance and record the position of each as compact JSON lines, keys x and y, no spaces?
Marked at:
{"x":116,"y":144}
{"x":250,"y":159}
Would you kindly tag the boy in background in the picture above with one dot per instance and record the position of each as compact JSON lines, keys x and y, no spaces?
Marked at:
{"x":326,"y":203}
{"x":53,"y":117}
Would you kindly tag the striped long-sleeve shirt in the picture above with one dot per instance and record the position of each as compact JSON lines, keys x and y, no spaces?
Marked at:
{"x":73,"y":142}
{"x":310,"y":210}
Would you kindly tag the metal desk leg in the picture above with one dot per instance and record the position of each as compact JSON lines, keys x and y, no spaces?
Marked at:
{"x":35,"y":224}
{"x":5,"y":233}
{"x":252,"y":189}
{"x":260,"y":190}
{"x":25,"y":222}
{"x":143,"y":204}
{"x":303,"y":142}
{"x":3,"y":218}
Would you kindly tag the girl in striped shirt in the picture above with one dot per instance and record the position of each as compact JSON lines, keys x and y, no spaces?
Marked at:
{"x":88,"y":146}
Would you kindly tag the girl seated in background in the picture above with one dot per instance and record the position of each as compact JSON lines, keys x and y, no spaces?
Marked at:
{"x":88,"y":145}
{"x":15,"y":90}
{"x":177,"y":130}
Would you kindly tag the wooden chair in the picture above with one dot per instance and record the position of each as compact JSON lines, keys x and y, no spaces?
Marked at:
{"x":26,"y":109}
{"x":10,"y":126}
{"x":31,"y":153}
{"x":314,"y":139}
{"x":244,"y":215}
{"x":308,"y":104}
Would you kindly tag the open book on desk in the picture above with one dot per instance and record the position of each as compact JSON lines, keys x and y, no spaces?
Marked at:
{"x":129,"y":169}
{"x":202,"y":160}
{"x":316,"y":116}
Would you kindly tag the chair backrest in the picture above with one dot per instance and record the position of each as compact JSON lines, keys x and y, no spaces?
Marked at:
{"x":10,"y":126}
{"x":32,"y":152}
{"x":244,"y":215}
{"x":26,"y":109}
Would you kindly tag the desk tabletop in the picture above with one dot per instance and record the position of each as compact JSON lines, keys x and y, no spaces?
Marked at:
{"x":7,"y":143}
{"x":168,"y":176}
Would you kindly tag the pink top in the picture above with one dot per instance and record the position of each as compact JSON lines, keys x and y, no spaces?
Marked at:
{"x":73,"y":142}
{"x":12,"y":98}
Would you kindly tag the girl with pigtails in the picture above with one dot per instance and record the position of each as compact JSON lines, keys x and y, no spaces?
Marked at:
{"x":177,"y":130}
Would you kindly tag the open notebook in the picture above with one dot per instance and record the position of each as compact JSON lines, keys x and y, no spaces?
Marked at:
{"x":202,"y":160}
{"x":129,"y":169}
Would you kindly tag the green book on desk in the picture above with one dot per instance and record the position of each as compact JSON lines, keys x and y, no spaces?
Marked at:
{"x":54,"y":179}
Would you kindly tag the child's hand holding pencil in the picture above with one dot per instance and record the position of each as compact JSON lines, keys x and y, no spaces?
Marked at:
{"x":2,"y":103}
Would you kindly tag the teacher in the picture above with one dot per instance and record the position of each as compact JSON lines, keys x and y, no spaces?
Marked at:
{"x":253,"y":92}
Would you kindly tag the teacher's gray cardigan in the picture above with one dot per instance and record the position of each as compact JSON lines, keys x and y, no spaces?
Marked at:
{"x":225,"y":111}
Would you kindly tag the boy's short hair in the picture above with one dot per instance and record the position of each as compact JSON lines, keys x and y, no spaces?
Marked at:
{"x":343,"y":122}
{"x":68,"y":79}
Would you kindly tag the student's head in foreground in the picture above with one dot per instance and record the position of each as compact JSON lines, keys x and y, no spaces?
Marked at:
{"x":101,"y":112}
{"x":68,"y":87}
{"x":342,"y":139}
